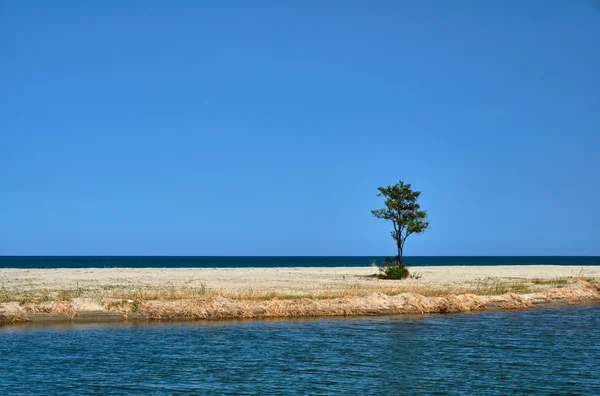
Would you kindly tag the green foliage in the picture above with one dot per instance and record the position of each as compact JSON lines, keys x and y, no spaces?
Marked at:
{"x":392,"y":269}
{"x":403,"y":210}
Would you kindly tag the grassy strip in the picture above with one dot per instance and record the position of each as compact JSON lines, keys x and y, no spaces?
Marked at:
{"x":485,"y":287}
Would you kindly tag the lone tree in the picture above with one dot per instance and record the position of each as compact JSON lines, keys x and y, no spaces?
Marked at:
{"x":402,"y":209}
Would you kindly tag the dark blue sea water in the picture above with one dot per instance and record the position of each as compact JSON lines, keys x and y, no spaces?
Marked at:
{"x":545,"y":351}
{"x":271,"y":261}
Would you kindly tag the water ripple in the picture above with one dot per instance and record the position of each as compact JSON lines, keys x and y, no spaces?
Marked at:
{"x":546,"y":351}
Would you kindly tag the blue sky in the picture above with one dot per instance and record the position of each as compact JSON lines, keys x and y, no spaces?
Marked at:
{"x":231,"y":128}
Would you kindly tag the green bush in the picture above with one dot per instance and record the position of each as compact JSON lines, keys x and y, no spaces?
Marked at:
{"x":393,"y":270}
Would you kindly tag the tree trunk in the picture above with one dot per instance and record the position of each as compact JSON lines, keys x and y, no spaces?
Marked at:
{"x":399,"y":257}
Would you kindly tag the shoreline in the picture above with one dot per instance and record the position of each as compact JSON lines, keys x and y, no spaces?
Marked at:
{"x":174,"y":294}
{"x":101,"y":317}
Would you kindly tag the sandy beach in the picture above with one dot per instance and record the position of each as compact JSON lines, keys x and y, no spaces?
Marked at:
{"x":280,"y":279}
{"x":200,"y":293}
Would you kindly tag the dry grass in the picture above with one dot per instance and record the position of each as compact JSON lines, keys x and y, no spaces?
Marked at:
{"x":374,"y":304}
{"x":557,"y":281}
{"x":484,"y":287}
{"x":367,"y":298}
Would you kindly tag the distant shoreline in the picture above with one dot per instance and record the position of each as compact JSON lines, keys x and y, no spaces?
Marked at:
{"x":167,"y":294}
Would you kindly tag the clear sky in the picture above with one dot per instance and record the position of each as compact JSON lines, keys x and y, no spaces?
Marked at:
{"x":264,"y":128}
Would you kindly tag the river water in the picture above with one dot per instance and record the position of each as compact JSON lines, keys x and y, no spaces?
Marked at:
{"x":543,"y":351}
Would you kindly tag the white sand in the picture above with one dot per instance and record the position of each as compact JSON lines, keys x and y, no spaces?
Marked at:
{"x":280,"y":279}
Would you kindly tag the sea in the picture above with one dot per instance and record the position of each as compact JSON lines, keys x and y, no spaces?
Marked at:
{"x":275,"y":261}
{"x":547,"y":351}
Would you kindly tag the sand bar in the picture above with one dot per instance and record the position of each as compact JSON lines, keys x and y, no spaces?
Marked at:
{"x":201,"y":293}
{"x":275,"y":278}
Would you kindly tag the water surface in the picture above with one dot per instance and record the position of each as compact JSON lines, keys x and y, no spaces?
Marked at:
{"x":544,"y":351}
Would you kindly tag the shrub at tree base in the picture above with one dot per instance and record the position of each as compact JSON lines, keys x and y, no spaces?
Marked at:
{"x":393,"y":270}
